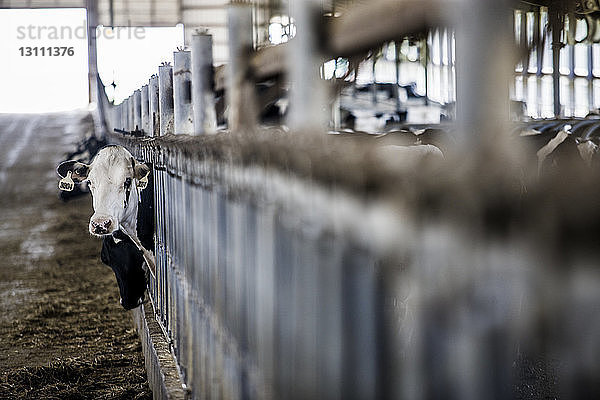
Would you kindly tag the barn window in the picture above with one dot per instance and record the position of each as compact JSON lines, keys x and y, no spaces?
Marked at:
{"x":281,"y":29}
{"x":579,"y":66}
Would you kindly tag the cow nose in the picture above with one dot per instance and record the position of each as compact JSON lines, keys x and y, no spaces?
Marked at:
{"x":101,"y":226}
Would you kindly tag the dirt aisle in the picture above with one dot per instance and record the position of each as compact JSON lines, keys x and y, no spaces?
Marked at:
{"x":62,"y":331}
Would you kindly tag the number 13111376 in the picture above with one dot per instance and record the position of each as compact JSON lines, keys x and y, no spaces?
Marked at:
{"x":51,"y":51}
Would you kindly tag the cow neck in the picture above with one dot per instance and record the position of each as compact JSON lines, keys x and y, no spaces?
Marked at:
{"x":120,"y":235}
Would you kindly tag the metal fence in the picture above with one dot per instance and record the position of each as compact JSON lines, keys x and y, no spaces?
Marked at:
{"x":274,"y":285}
{"x":297,"y":265}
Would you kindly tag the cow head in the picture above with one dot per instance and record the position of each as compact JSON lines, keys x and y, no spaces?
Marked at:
{"x":113,"y":177}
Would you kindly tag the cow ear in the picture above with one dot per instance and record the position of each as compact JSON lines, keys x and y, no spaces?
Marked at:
{"x":141,"y":170}
{"x":79,"y":171}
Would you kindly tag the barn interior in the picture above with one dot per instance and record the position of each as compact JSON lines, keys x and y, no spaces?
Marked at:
{"x":346,"y":199}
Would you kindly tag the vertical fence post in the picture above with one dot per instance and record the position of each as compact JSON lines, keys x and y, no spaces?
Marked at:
{"x":239,"y":89}
{"x":124,"y":115}
{"x":307,"y":93}
{"x":145,"y":115}
{"x":483,"y":76}
{"x":205,"y":118}
{"x":165,"y":98}
{"x":182,"y":92}
{"x":153,"y":110}
{"x":130,"y":114}
{"x":484,"y":73}
{"x":116,"y":117}
{"x":137,"y":110}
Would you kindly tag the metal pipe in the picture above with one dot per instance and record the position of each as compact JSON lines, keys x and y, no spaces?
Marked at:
{"x":240,"y":91}
{"x":590,"y":77}
{"x":153,"y":109}
{"x":92,"y":23}
{"x":307,"y":93}
{"x":572,"y":102}
{"x":145,"y":109}
{"x":124,"y":110}
{"x":182,"y":92}
{"x":203,"y":97}
{"x":450,"y":44}
{"x":137,"y":110}
{"x":374,"y":87}
{"x":165,"y":98}
{"x":130,"y":114}
{"x":397,"y":61}
{"x":116,"y":116}
{"x":556,"y":23}
{"x":425,"y":54}
{"x":524,"y":55}
{"x":111,"y":13}
{"x":539,"y":46}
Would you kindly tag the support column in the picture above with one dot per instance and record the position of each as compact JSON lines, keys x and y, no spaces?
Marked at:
{"x":92,"y":22}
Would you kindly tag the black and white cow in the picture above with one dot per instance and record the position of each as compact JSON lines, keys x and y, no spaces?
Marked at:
{"x":115,"y":180}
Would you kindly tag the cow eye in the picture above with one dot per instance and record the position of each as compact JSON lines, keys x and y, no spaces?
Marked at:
{"x":127,"y":183}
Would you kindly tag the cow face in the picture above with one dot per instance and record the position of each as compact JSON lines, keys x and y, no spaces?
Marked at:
{"x":113,"y":178}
